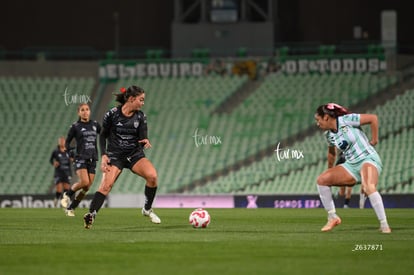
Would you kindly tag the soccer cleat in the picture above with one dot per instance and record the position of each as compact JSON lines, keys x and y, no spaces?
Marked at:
{"x":88,"y":219}
{"x":331,"y":224}
{"x":65,"y":200}
{"x":149,"y":213}
{"x":70,"y":212}
{"x":385,"y":230}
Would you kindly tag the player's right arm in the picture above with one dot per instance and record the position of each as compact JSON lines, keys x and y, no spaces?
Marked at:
{"x":105,"y":132}
{"x":53,"y":159}
{"x":331,"y":156}
{"x":69,"y":137}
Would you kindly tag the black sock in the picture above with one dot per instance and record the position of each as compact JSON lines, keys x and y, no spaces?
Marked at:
{"x":74,"y":204}
{"x":97,"y":202}
{"x":70,"y":193}
{"x":58,"y":194}
{"x":347,"y":201}
{"x":149,"y":196}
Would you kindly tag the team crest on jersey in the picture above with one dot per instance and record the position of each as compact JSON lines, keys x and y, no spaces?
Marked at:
{"x":344,"y":129}
{"x":136,"y":123}
{"x":94,"y":128}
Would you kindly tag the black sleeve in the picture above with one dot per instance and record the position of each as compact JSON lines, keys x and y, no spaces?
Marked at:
{"x":98,"y":128}
{"x":143,"y":128}
{"x":69,"y":137}
{"x":52,"y":157}
{"x":104,"y":131}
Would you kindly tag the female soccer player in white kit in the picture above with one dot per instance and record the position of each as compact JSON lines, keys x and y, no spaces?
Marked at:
{"x":362,"y":161}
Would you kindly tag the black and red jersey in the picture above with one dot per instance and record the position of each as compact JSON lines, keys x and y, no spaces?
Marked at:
{"x":120,"y":134}
{"x":63,"y":170}
{"x":85,"y":134}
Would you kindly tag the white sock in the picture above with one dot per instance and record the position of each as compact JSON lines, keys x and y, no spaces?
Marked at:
{"x":362,"y":199}
{"x":326,"y":198}
{"x":378,"y":206}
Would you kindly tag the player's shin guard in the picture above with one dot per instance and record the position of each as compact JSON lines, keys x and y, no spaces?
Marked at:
{"x":79,"y":197}
{"x":97,"y":202}
{"x":149,"y":196}
{"x":378,"y":206}
{"x":326,"y":198}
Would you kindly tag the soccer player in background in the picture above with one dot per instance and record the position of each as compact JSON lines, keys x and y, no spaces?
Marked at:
{"x":60,"y":159}
{"x":85,"y":132}
{"x":362,"y":162}
{"x":123,"y":140}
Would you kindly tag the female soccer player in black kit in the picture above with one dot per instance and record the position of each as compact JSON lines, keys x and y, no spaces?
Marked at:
{"x":85,"y":132}
{"x":60,"y":159}
{"x":122,"y":141}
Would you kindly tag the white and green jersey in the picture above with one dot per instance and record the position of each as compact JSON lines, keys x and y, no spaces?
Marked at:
{"x":350,"y":139}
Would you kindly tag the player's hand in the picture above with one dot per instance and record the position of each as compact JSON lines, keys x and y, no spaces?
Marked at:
{"x":146,"y":143}
{"x":374,"y":142}
{"x":105,"y":165}
{"x":56,"y":164}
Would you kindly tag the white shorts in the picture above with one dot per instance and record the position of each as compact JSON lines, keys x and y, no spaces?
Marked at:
{"x":354,"y":169}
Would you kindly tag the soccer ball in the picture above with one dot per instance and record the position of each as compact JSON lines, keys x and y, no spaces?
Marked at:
{"x":199,"y":218}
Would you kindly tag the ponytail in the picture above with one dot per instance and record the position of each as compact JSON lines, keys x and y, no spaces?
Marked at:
{"x":124,"y":94}
{"x":332,"y":109}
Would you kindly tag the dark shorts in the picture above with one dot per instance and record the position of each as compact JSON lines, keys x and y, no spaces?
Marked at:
{"x":61,"y":179}
{"x":123,"y":161}
{"x":88,"y":164}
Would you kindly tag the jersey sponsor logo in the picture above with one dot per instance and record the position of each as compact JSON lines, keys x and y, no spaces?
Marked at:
{"x":119,"y":124}
{"x":343,"y":145}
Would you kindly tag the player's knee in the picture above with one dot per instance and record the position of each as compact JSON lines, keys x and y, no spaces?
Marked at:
{"x":84,"y":183}
{"x":152,"y":178}
{"x":105,"y":189}
{"x":322,"y":179}
{"x":369,"y":189}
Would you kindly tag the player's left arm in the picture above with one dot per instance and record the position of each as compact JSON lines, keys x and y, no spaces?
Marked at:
{"x":372,"y":120}
{"x":143,"y":133}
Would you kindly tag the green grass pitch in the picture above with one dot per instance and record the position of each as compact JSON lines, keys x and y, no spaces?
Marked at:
{"x":238,"y":241}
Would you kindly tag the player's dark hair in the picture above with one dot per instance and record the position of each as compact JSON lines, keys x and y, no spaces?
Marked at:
{"x":127,"y":93}
{"x":82,"y":104}
{"x":332,"y":109}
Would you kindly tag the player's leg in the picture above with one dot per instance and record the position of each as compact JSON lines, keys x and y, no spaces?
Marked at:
{"x":58,"y":192}
{"x":348,"y":194}
{"x":82,"y":173}
{"x":107,"y":182}
{"x":66,"y":186}
{"x":362,"y":197}
{"x":82,"y":193}
{"x":144,"y":168}
{"x":369,"y":174}
{"x":84,"y":182}
{"x":341,"y":191}
{"x":335,"y":176}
